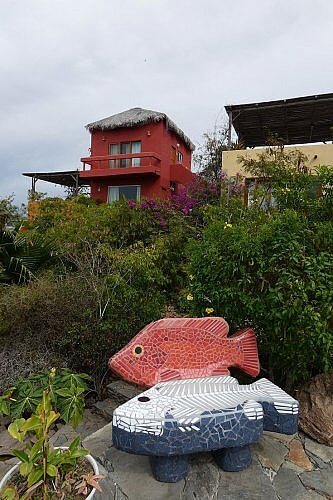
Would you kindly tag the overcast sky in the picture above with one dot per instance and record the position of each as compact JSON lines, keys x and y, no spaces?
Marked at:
{"x":65,"y":63}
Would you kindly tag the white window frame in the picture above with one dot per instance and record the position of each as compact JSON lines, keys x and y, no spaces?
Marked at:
{"x":180,"y":157}
{"x":138,"y":191}
{"x":125,"y":162}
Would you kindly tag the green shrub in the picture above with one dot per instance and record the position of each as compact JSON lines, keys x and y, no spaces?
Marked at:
{"x":84,"y":315}
{"x":276,"y":276}
{"x":67,"y":395}
{"x":116,"y":224}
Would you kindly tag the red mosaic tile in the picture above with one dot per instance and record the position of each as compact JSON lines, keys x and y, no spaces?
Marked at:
{"x":182,"y":348}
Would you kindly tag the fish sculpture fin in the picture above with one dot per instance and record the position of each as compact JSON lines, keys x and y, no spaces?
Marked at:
{"x":247,"y":342}
{"x":220,"y":370}
{"x":168,"y":374}
{"x":214,"y":325}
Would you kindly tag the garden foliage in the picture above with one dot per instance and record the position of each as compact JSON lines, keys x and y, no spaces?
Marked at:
{"x":275,"y":276}
{"x":115,"y":268}
{"x":66,"y":392}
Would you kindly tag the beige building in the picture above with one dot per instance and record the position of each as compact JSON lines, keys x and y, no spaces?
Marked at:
{"x":302,"y":123}
{"x":317,"y":154}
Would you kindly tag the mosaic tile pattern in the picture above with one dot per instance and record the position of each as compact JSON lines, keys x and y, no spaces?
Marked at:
{"x":193,"y":404}
{"x":169,"y":469}
{"x":233,"y":459}
{"x":184,"y":348}
{"x":181,"y":417}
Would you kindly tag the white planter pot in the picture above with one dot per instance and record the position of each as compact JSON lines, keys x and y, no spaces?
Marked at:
{"x":14,"y":469}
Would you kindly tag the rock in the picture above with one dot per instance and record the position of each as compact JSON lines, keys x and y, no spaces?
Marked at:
{"x":325,"y":453}
{"x":298,"y":456}
{"x":316,"y":408}
{"x":100,"y":441}
{"x":203,"y":478}
{"x":287,"y":485}
{"x":108,"y":487}
{"x":121,"y":391}
{"x":271,"y":453}
{"x":7,"y":443}
{"x":283,"y":438}
{"x":317,"y":462}
{"x":292,"y":466}
{"x":106,"y":408}
{"x":271,"y":475}
{"x":64,"y":436}
{"x":91,"y":422}
{"x":313,"y":495}
{"x":319,"y":480}
{"x":249,"y":484}
{"x":131,"y":476}
{"x":7,"y":465}
{"x":4,"y":422}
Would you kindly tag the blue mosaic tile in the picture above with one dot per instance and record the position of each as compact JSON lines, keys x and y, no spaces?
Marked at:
{"x":174,"y":419}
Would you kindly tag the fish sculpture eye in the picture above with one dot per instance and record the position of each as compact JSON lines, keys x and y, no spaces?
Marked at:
{"x":138,"y":351}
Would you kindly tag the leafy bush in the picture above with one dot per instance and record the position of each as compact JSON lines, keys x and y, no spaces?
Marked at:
{"x":66,"y":392}
{"x":55,"y":471}
{"x":86,"y":314}
{"x":293,"y":184}
{"x":275,"y":276}
{"x":71,"y":221}
{"x":21,"y":255}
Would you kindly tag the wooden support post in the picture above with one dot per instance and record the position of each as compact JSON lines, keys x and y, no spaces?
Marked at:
{"x":33,"y":184}
{"x":229,"y":129}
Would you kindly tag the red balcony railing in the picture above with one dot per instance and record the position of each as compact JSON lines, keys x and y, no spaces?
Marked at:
{"x":133,"y":160}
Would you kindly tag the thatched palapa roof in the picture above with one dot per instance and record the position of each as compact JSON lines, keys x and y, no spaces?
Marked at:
{"x":134,"y":118}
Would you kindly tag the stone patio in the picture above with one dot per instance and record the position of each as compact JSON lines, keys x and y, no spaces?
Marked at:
{"x":283,"y":467}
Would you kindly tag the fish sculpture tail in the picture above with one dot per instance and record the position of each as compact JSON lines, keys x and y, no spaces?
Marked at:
{"x":247,"y":344}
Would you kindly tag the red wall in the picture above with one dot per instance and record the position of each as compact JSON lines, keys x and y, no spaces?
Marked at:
{"x":154,"y":138}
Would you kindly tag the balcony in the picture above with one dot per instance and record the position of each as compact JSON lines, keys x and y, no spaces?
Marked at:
{"x":181,"y":174}
{"x":121,"y":165}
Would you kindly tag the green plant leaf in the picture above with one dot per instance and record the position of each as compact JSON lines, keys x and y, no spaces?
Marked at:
{"x":52,"y":470}
{"x":32,"y":424}
{"x":4,"y":406}
{"x":26,"y":468}
{"x":65,"y":393}
{"x":36,"y":450}
{"x":15,"y":429}
{"x":21,"y":455}
{"x":51,"y":418}
{"x":74,"y":444}
{"x":9,"y":493}
{"x":71,"y":404}
{"x":79,"y":453}
{"x":35,"y":475}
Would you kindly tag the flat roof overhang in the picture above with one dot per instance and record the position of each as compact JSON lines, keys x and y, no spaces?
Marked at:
{"x":300,"y":120}
{"x":68,"y":178}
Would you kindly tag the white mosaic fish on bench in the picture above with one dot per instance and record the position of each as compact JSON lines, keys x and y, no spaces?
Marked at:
{"x":175,"y":418}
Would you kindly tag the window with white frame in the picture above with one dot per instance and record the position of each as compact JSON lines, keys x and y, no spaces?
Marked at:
{"x":124,"y":148}
{"x":130,"y":192}
{"x":179,"y":157}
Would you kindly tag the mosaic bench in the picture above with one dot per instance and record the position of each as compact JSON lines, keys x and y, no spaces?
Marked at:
{"x":173,"y":419}
{"x":193,"y":404}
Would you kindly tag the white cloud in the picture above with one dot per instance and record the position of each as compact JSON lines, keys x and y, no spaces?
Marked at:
{"x":66,"y":63}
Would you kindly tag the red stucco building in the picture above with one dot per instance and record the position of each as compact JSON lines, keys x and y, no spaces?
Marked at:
{"x":137,"y":153}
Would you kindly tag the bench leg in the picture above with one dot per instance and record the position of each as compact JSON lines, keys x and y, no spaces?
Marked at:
{"x":233,"y":459}
{"x":169,"y":469}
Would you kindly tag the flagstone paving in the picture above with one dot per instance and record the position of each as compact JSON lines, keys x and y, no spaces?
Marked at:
{"x":277,"y":472}
{"x":283,"y":467}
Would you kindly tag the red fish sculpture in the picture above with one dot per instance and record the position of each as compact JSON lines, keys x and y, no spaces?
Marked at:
{"x":183,"y":348}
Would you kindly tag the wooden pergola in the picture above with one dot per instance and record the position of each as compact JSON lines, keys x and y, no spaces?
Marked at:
{"x":300,"y":120}
{"x":68,"y":178}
